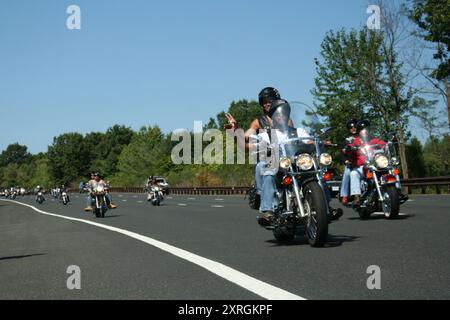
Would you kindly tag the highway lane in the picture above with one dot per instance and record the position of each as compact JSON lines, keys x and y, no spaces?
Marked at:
{"x":412,"y":252}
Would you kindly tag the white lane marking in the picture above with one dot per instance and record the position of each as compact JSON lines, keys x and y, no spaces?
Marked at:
{"x":191,"y":198}
{"x":135,"y":196}
{"x":169,"y":197}
{"x":219,"y":199}
{"x":140,"y":201}
{"x":217,"y":206}
{"x":124,"y":200}
{"x":182,"y":204}
{"x":249,"y":283}
{"x":120,"y":195}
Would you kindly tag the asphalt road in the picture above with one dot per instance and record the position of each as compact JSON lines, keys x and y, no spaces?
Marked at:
{"x":225,"y":256}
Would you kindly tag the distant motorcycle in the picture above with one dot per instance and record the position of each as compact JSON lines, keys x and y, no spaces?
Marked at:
{"x":64,"y":198}
{"x":40,"y":197}
{"x":155,"y":195}
{"x":99,"y":203}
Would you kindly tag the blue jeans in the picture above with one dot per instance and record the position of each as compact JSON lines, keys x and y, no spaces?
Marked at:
{"x":345,"y":185}
{"x":355,"y":181}
{"x":268,"y":194}
{"x":259,"y":177}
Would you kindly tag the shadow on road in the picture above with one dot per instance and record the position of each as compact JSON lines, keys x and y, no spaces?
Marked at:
{"x":21,"y":257}
{"x":379,"y":216}
{"x":332,"y":241}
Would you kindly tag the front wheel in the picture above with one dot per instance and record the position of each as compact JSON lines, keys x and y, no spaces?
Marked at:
{"x":391,"y":204}
{"x":316,"y":210}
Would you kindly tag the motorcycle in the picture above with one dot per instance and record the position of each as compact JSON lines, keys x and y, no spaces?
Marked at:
{"x":40,"y":197}
{"x":379,"y":192}
{"x":155,"y":195}
{"x":64,"y":198}
{"x":13,"y":194}
{"x":99,"y":203}
{"x":302,"y":207}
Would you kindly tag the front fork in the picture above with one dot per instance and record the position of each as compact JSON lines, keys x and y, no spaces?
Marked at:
{"x":298,"y":196}
{"x":377,"y":184}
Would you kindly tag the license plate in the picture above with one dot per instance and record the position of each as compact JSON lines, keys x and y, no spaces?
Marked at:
{"x":335,"y":188}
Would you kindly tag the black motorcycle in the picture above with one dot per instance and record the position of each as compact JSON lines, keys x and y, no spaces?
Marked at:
{"x":298,"y":166}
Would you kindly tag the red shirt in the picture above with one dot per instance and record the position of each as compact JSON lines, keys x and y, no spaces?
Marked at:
{"x":357,"y":157}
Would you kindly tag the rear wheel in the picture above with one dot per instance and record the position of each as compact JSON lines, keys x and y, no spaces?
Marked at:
{"x":316,"y":209}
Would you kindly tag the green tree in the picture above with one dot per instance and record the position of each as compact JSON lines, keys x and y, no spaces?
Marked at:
{"x":14,"y":153}
{"x":69,"y":159}
{"x":360,"y":76}
{"x":433,"y":19}
{"x":416,"y":162}
{"x":147,"y":154}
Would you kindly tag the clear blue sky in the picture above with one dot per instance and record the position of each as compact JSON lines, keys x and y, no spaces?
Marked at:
{"x":153,"y":62}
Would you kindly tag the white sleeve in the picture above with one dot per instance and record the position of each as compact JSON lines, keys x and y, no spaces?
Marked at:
{"x":302,"y":133}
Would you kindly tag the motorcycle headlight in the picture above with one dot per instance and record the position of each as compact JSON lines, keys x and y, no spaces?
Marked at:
{"x":285,"y":163}
{"x":381,"y":161}
{"x":304,"y":162}
{"x":395,"y":161}
{"x":100,"y":189}
{"x":326,"y":159}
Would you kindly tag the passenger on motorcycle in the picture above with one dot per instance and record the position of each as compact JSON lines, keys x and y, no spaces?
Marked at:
{"x":96,"y":181}
{"x":345,"y":184}
{"x":358,"y":159}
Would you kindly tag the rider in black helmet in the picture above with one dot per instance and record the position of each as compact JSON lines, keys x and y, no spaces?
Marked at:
{"x":265,"y":98}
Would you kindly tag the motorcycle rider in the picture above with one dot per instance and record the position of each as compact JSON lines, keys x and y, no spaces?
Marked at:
{"x":37,"y":190}
{"x":63,"y":189}
{"x":96,"y":181}
{"x":358,"y":159}
{"x":280,"y":114}
{"x":258,"y":125}
{"x":345,"y":184}
{"x":152,"y":182}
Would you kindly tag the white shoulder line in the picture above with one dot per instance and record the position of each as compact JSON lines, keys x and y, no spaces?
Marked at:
{"x":249,"y":283}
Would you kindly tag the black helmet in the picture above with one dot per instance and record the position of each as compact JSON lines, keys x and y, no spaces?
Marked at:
{"x":268,"y":93}
{"x":280,"y":105}
{"x":363,"y":124}
{"x":352,"y":123}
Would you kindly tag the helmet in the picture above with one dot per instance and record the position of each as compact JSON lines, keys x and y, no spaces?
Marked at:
{"x":268,"y":93}
{"x":280,"y":105}
{"x":363,"y":124}
{"x":352,"y":123}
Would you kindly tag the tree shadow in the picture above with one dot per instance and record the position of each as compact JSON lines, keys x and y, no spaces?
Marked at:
{"x":21,"y":257}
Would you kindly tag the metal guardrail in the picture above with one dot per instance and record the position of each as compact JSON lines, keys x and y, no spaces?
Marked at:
{"x":437,"y":182}
{"x":423,"y":183}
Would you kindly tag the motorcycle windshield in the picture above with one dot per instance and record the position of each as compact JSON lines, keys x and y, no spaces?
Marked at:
{"x":369,"y":149}
{"x":306,"y":123}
